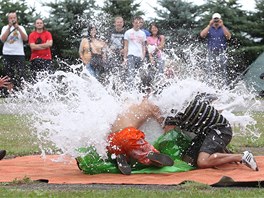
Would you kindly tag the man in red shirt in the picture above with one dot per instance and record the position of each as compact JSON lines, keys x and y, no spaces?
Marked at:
{"x":40,"y":42}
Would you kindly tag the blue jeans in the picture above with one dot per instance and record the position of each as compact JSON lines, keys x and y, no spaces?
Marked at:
{"x":133,"y":65}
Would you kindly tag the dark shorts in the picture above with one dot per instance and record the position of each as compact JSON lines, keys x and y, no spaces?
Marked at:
{"x":213,"y":142}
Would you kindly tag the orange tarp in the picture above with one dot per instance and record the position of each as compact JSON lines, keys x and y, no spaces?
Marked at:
{"x":57,"y":171}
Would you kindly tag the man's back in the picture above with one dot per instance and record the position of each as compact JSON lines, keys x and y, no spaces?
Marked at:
{"x":136,"y":115}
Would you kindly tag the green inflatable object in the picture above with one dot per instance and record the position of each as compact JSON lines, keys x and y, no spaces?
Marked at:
{"x":172,"y":143}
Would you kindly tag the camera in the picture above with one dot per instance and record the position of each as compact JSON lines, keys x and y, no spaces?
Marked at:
{"x":216,"y":20}
{"x":14,"y":22}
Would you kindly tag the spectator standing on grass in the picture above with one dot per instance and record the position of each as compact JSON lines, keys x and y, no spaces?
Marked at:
{"x":155,"y":45}
{"x":217,"y":36}
{"x":116,"y":46}
{"x":134,"y":50}
{"x":13,"y":35}
{"x":92,"y":51}
{"x":40,"y":42}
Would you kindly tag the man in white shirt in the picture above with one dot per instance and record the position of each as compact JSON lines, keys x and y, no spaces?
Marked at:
{"x":13,"y":35}
{"x":134,"y":50}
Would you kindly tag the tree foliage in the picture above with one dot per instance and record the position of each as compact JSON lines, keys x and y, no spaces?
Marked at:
{"x":177,"y":18}
{"x":127,"y":9}
{"x":67,"y":20}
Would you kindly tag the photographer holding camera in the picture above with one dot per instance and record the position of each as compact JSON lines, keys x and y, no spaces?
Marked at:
{"x":40,"y":42}
{"x":217,"y":36}
{"x":13,"y":35}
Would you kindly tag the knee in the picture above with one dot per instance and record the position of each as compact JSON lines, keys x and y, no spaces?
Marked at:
{"x":204,"y":160}
{"x":202,"y":163}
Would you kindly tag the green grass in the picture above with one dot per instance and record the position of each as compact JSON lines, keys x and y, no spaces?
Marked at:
{"x":16,"y":137}
{"x":192,"y":190}
{"x":249,"y":140}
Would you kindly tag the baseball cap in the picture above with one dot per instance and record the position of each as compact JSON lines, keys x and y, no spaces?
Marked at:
{"x":216,"y":15}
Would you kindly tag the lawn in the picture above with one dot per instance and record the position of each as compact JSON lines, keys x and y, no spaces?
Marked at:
{"x":17,"y":139}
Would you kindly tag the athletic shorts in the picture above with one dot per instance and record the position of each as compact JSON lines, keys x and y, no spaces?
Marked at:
{"x":131,"y":142}
{"x":213,"y":142}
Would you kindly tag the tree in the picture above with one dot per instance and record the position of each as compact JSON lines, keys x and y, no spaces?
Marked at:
{"x":67,"y":20}
{"x":127,"y":9}
{"x":177,"y":21}
{"x":255,"y":33}
{"x":178,"y":18}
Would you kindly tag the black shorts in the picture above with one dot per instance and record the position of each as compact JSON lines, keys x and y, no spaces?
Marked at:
{"x":213,"y":142}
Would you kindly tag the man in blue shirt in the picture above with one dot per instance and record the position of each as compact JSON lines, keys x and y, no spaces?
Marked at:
{"x":217,"y":35}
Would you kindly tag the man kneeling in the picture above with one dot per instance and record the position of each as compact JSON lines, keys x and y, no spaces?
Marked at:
{"x":213,"y":134}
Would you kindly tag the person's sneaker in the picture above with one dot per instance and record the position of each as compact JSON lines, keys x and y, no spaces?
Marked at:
{"x":159,"y":159}
{"x":122,"y":164}
{"x":249,"y":160}
{"x":2,"y":154}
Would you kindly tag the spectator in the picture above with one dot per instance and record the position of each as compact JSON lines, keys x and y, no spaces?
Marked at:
{"x":40,"y":42}
{"x":116,"y":46}
{"x":155,"y":45}
{"x":142,"y":27}
{"x":13,"y":35}
{"x":134,"y":50}
{"x":217,"y":35}
{"x":92,"y":53}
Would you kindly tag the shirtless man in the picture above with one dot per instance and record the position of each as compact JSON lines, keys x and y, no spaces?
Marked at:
{"x":127,"y":142}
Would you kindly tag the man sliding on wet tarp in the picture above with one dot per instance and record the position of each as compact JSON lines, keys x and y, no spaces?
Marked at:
{"x":128,"y":143}
{"x":213,"y":134}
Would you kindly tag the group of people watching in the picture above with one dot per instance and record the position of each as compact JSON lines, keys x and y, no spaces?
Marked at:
{"x":121,"y":54}
{"x":124,"y":51}
{"x":13,"y":37}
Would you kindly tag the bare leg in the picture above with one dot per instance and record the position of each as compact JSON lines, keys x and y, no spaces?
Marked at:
{"x":206,"y":160}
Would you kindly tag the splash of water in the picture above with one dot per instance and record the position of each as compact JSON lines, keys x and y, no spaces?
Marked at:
{"x":67,"y":111}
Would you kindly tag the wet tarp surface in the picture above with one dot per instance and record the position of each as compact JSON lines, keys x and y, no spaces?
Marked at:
{"x":55,"y":170}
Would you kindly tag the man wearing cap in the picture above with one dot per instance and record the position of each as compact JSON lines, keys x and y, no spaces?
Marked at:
{"x":217,"y":35}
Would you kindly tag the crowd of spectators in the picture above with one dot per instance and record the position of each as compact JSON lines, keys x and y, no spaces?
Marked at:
{"x":134,"y":57}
